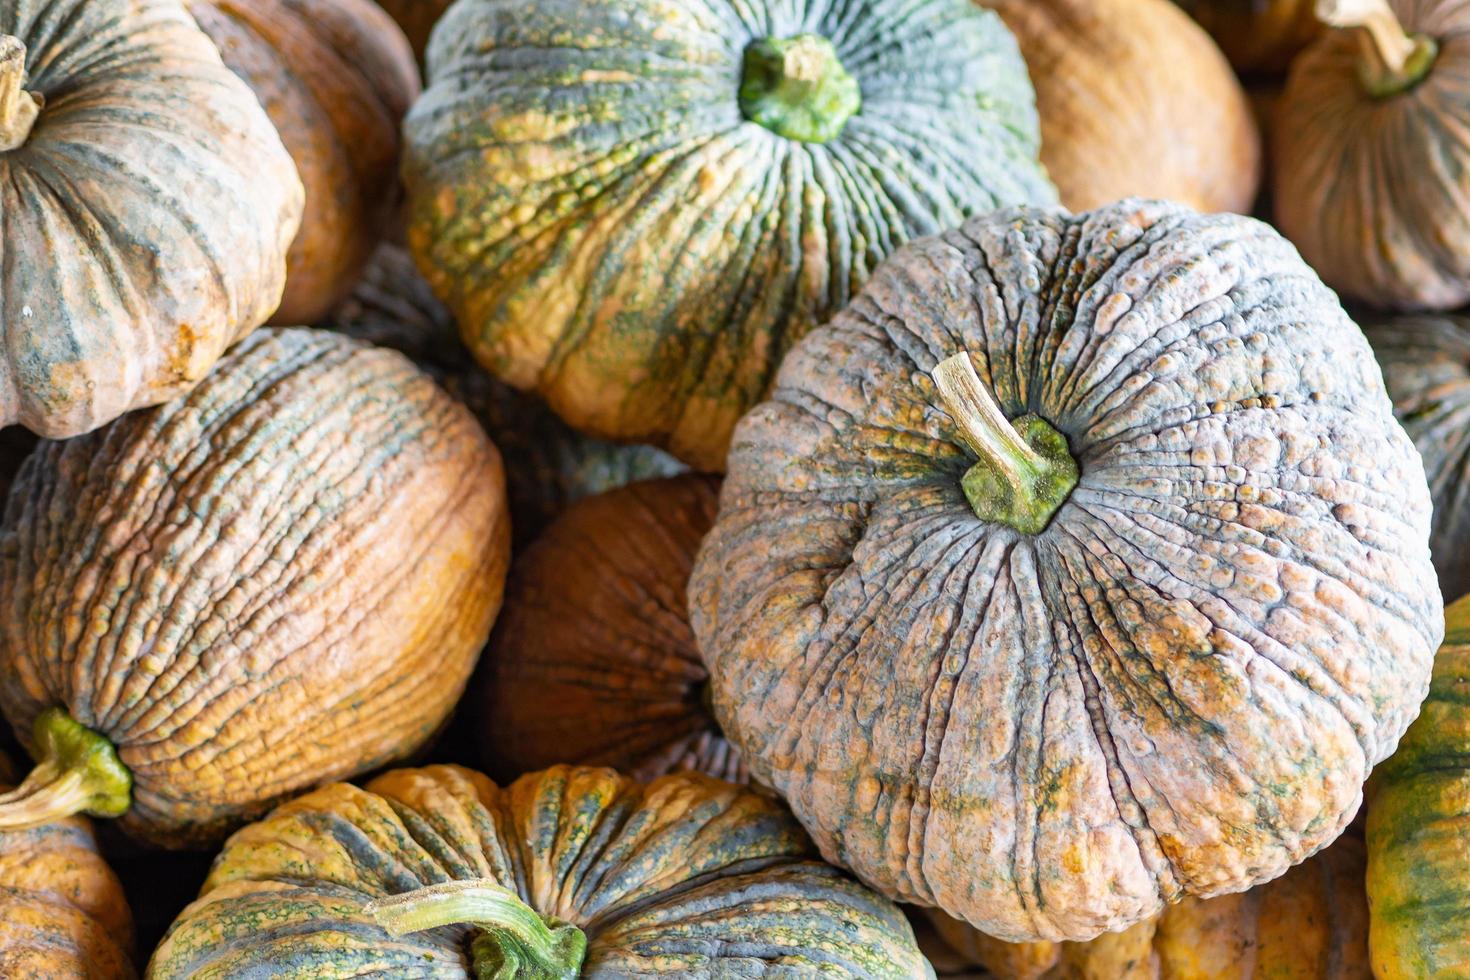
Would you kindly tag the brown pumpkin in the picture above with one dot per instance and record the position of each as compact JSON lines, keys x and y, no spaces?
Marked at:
{"x":417,"y":18}
{"x":1135,"y":100}
{"x":283,"y":578}
{"x":1257,"y":35}
{"x":336,"y":77}
{"x":593,"y":660}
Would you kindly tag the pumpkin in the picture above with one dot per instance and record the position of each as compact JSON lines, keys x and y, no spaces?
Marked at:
{"x":417,"y":18}
{"x":593,"y":660}
{"x":1117,"y":119}
{"x":634,"y":207}
{"x":1077,"y":567}
{"x":1369,"y":167}
{"x":62,"y":910}
{"x":570,"y":872}
{"x":1257,"y":35}
{"x":147,"y":204}
{"x":336,"y":77}
{"x":283,"y":578}
{"x":548,"y":465}
{"x":1418,"y":887}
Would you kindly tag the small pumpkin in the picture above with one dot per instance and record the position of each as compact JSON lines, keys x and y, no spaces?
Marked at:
{"x":283,"y":578}
{"x":634,"y":207}
{"x":565,"y":873}
{"x":62,"y":910}
{"x":593,"y":660}
{"x":1257,"y":35}
{"x":1077,"y":567}
{"x":1119,"y":119}
{"x":1369,"y":165}
{"x":336,"y":77}
{"x":147,"y":204}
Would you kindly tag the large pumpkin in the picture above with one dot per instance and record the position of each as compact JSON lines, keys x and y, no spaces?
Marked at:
{"x":147,"y":205}
{"x":634,"y":207}
{"x":438,"y":872}
{"x":1257,"y":35}
{"x":1119,"y":119}
{"x":336,"y":77}
{"x":1148,"y":646}
{"x":281,"y":579}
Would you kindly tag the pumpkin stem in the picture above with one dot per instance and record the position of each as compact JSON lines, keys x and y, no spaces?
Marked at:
{"x":1026,"y":470}
{"x":18,"y":108}
{"x":1394,"y":60}
{"x":797,"y":88}
{"x":77,"y":771}
{"x":514,"y":942}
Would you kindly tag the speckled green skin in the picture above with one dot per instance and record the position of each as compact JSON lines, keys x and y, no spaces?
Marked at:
{"x":1179,"y":686}
{"x":686,"y":876}
{"x":610,"y":230}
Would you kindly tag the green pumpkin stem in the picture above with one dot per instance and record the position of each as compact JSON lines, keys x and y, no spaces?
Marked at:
{"x":18,"y":108}
{"x":513,"y":943}
{"x":1026,"y":470}
{"x":78,"y":771}
{"x":1394,"y":60}
{"x":797,"y":88}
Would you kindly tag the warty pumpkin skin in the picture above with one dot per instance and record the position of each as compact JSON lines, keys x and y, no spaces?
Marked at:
{"x":281,"y":579}
{"x":1135,"y":99}
{"x":1257,"y":35}
{"x":147,"y":205}
{"x":1179,"y":683}
{"x":686,"y":876}
{"x":634,"y":208}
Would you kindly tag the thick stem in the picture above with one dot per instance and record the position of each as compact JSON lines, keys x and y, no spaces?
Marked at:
{"x":77,"y":771}
{"x":1026,"y":470}
{"x":1393,"y":59}
{"x":514,"y":943}
{"x":797,"y":88}
{"x":18,"y":108}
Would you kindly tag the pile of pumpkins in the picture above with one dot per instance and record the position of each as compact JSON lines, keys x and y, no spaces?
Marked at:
{"x":735,"y":488}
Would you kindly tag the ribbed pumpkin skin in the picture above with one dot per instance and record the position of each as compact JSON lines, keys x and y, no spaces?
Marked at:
{"x":146,"y":218}
{"x":62,"y":910}
{"x":1135,"y":99}
{"x":1180,"y":684}
{"x":1418,"y":873}
{"x":281,"y":579}
{"x":336,"y":77}
{"x":610,"y":232}
{"x":1257,"y":35}
{"x":593,"y":660}
{"x":684,"y":877}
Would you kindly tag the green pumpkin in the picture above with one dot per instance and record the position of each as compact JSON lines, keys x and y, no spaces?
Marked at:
{"x":635,"y":207}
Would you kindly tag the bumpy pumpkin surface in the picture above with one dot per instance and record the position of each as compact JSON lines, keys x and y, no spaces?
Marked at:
{"x":1179,"y":683}
{"x":1257,"y":35}
{"x":548,"y":465}
{"x":281,"y":579}
{"x":1135,"y":99}
{"x":634,"y":208}
{"x":686,"y":876}
{"x":146,"y":202}
{"x":1418,"y":838}
{"x":593,"y":660}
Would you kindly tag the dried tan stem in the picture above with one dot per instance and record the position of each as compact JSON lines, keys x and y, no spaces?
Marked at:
{"x":1386,"y":40}
{"x":18,"y":108}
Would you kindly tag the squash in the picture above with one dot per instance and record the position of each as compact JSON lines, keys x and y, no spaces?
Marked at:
{"x":283,"y":578}
{"x":1149,"y":645}
{"x":565,"y":873}
{"x":1369,"y":167}
{"x":547,"y":464}
{"x":1418,"y":875}
{"x":147,"y":204}
{"x":634,"y":207}
{"x":1257,"y":35}
{"x":1119,"y":119}
{"x":417,"y":19}
{"x":593,"y":660}
{"x":62,"y":910}
{"x":1426,"y":366}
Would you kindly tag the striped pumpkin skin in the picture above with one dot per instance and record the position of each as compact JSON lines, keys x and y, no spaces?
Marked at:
{"x":611,"y":232}
{"x":682,"y":877}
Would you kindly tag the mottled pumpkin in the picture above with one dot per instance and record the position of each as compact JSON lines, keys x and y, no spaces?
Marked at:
{"x":281,"y":579}
{"x":1148,"y":646}
{"x":438,"y":872}
{"x":1257,"y":35}
{"x":593,"y":660}
{"x":62,"y":910}
{"x":1370,"y":166}
{"x":1119,"y":117}
{"x":547,"y":464}
{"x":147,"y":205}
{"x":417,"y":19}
{"x":634,"y":207}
